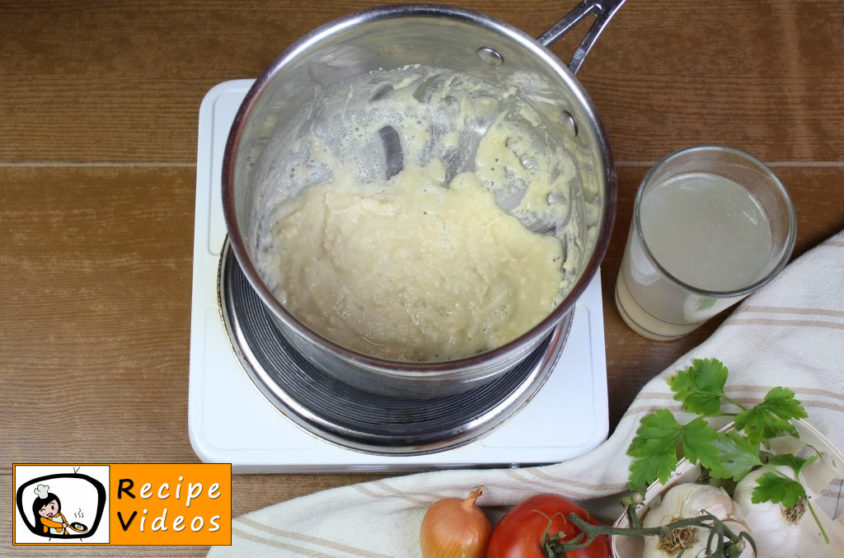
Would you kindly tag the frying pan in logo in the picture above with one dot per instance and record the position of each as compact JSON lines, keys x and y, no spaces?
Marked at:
{"x":78,"y":527}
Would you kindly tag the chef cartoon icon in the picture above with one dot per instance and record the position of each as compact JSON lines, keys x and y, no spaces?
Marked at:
{"x":52,"y":502}
{"x":48,"y":512}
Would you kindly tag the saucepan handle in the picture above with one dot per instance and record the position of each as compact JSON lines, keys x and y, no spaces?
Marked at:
{"x":603,"y":10}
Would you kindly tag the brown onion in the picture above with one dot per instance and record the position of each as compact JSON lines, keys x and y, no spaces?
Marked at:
{"x":454,"y":528}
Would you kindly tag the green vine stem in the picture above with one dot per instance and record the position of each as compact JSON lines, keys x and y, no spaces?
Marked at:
{"x":727,"y":543}
{"x":631,"y":501}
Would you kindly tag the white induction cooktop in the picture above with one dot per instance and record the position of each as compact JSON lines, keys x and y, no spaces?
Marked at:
{"x":229,"y":421}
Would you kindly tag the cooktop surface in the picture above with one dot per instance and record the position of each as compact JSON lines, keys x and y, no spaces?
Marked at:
{"x":230,"y":420}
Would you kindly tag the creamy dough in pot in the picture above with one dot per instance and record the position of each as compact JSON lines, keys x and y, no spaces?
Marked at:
{"x":411,"y":270}
{"x":462,"y":242}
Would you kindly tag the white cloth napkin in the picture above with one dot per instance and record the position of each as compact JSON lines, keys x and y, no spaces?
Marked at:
{"x":790,"y":333}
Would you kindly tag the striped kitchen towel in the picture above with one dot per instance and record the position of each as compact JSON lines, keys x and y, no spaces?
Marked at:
{"x":790,"y":333}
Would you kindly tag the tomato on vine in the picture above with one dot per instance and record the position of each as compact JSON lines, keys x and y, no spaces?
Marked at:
{"x":534,"y":529}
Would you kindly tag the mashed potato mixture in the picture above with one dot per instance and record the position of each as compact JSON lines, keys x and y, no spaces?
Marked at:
{"x":412,"y":270}
{"x":468,"y":245}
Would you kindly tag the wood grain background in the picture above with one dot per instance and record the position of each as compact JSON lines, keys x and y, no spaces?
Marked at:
{"x":98,"y":120}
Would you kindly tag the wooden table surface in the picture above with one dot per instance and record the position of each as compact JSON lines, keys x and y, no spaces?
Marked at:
{"x":98,"y":136}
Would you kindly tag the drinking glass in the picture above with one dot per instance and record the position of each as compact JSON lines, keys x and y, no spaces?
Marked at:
{"x":711,"y":224}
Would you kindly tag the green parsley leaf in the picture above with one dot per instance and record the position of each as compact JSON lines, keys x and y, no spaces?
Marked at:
{"x":658,"y":432}
{"x":777,"y":488}
{"x":701,"y":386}
{"x":698,"y":437}
{"x":790,"y":460}
{"x":737,"y":456}
{"x":654,"y":448}
{"x":647,"y":469}
{"x":769,"y":418}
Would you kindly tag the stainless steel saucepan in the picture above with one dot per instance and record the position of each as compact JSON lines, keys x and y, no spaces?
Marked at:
{"x":285,"y":101}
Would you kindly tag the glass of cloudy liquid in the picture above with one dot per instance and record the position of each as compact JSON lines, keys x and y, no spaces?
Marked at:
{"x":711,"y":224}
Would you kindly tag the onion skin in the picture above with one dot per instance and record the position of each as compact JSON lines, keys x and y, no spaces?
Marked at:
{"x":455,"y":528}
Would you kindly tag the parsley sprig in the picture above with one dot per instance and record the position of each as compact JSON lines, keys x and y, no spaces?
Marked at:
{"x":661,"y":441}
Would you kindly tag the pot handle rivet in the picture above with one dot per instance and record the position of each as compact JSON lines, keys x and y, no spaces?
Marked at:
{"x":490,"y":56}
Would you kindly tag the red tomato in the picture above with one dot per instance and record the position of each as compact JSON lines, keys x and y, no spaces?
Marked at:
{"x":520,"y":533}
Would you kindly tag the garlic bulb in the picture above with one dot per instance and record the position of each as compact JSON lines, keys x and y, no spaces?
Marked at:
{"x":683,"y":501}
{"x":792,"y":532}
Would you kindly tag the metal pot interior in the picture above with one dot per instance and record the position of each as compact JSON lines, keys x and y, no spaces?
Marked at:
{"x":288,"y":101}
